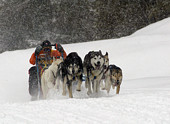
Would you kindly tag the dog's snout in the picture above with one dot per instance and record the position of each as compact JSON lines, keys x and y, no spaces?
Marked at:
{"x":98,"y":62}
{"x":117,"y":81}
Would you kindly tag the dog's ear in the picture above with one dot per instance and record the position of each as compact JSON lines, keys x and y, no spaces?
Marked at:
{"x":92,"y":54}
{"x":106,"y":54}
{"x":100,"y":52}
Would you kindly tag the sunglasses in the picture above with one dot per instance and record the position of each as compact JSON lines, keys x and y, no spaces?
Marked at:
{"x":47,"y":49}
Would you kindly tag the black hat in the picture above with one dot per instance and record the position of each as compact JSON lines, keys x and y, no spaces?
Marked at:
{"x":46,"y":43}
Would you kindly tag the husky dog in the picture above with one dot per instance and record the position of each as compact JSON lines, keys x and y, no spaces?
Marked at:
{"x":106,"y":65}
{"x":93,"y":67}
{"x":113,"y":78}
{"x":72,"y":70}
{"x":49,"y":76}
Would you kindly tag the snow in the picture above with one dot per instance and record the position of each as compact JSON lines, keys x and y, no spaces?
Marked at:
{"x":144,"y":95}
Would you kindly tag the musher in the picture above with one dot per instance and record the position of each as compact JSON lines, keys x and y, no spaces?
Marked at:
{"x":41,"y":59}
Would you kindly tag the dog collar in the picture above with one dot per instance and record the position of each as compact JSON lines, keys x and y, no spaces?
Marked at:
{"x":94,"y":77}
{"x":74,"y":77}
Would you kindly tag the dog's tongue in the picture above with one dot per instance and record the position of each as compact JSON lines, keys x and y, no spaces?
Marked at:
{"x":98,"y":67}
{"x":114,"y":84}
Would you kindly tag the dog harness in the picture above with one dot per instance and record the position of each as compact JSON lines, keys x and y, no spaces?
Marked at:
{"x":69,"y":81}
{"x":94,"y":76}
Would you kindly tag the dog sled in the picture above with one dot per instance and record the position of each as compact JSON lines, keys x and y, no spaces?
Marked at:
{"x":42,"y":62}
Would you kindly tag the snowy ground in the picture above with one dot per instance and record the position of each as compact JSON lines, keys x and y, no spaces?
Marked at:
{"x":145,"y":92}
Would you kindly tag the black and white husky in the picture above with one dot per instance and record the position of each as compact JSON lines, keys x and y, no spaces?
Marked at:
{"x":93,"y":68}
{"x":72,"y":71}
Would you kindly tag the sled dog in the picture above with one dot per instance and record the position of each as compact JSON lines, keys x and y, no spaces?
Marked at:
{"x":93,"y":67}
{"x":113,"y":78}
{"x":48,"y":78}
{"x":72,"y":71}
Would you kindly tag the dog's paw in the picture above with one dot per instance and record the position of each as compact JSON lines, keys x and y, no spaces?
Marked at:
{"x":71,"y":96}
{"x":78,"y":90}
{"x":34,"y":98}
{"x":89,"y":92}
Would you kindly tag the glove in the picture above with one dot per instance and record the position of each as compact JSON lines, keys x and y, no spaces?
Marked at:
{"x":59,"y":48}
{"x":37,"y":50}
